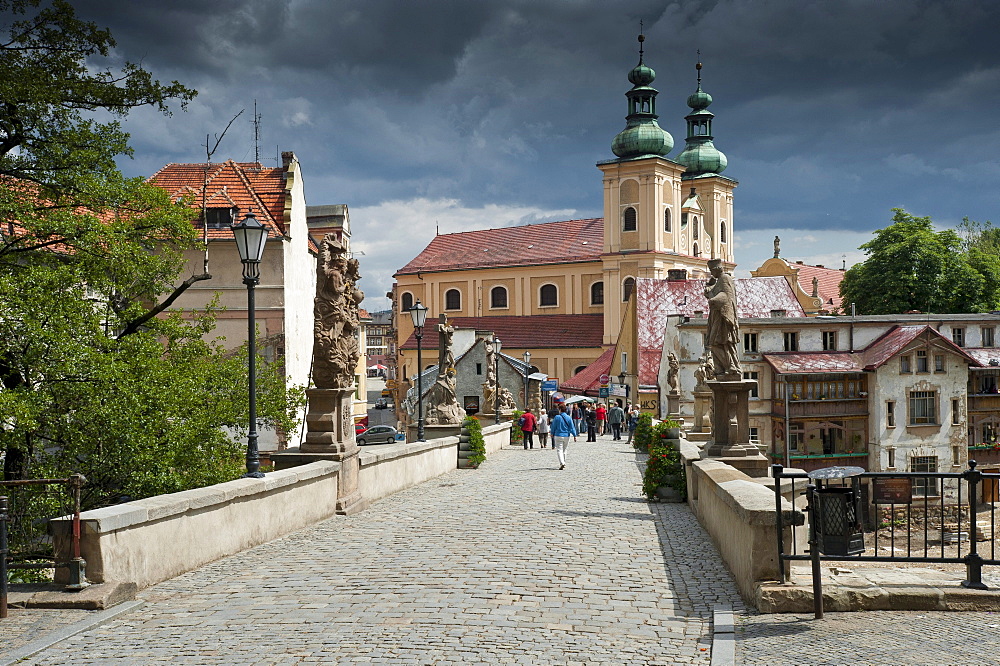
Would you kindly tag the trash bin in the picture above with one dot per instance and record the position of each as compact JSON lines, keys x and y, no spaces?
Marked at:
{"x":838,"y":512}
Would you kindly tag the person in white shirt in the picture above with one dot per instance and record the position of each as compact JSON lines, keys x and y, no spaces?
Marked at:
{"x":542,"y":428}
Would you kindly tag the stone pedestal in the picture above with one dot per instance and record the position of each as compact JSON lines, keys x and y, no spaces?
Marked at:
{"x":330,"y":436}
{"x":673,"y":404}
{"x":702,"y":410}
{"x":433,"y":431}
{"x":731,"y":420}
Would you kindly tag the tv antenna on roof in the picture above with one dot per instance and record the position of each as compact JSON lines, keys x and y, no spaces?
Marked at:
{"x":256,"y":133}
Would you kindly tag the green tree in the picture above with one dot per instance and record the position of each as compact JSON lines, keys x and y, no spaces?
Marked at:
{"x":97,"y":376}
{"x":911,"y":266}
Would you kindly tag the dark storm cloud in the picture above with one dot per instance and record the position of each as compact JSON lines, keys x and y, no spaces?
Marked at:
{"x":830,"y":112}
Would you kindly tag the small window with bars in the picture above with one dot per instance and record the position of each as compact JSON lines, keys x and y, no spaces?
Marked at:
{"x":924,"y":486}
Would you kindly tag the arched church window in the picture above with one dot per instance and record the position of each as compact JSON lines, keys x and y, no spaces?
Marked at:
{"x":406,"y":302}
{"x":548,"y":295}
{"x":694,"y":233}
{"x":498,"y":297}
{"x":629,"y":222}
{"x":666,"y":220}
{"x":627,"y":288}
{"x":694,"y":251}
{"x":722,"y":233}
{"x":453,"y":299}
{"x":597,"y":293}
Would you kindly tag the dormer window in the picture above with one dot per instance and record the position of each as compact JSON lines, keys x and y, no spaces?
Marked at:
{"x":221,"y":218}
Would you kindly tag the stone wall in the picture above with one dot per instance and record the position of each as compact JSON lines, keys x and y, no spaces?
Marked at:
{"x":151,"y":540}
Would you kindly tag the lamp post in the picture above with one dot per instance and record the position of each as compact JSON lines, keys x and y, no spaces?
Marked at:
{"x":250,"y":237}
{"x":527,"y":371}
{"x":621,"y":381}
{"x":496,"y":378}
{"x":419,"y":315}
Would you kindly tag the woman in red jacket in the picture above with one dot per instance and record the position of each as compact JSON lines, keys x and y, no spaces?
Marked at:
{"x":602,"y":417}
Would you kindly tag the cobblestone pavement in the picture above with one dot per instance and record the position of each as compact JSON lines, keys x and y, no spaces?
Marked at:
{"x":877,"y":638}
{"x":517,"y":562}
{"x":22,"y":626}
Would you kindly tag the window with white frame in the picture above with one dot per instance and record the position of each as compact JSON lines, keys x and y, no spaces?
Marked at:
{"x":958,"y":336}
{"x":754,"y":375}
{"x":926,"y":486}
{"x":666,"y":220}
{"x":597,"y":293}
{"x":890,"y":413}
{"x":629,"y":220}
{"x":938,"y":362}
{"x":628,"y":286}
{"x":754,"y":435}
{"x":922,"y":360}
{"x":498,"y":298}
{"x":923,"y":407}
{"x":904,"y":365}
{"x":548,"y":296}
{"x":453,"y":299}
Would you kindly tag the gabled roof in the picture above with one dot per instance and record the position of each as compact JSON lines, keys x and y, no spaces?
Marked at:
{"x":875,"y":355}
{"x":658,"y":299}
{"x":986,"y":356}
{"x":534,"y":332}
{"x":588,"y":380}
{"x":528,"y":245}
{"x":231,"y":184}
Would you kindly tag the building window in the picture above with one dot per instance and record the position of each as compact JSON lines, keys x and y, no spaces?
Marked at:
{"x":453,"y":299}
{"x":904,"y":365}
{"x":548,"y":296}
{"x":921,"y":360}
{"x":750,"y":343}
{"x":694,"y":232}
{"x":629,"y":220}
{"x":754,"y":393}
{"x":939,"y":363}
{"x":989,"y":339}
{"x":754,"y":435}
{"x":791,"y":341}
{"x":923,"y":407}
{"x":479,"y":368}
{"x":627,"y":288}
{"x":796,"y":435}
{"x":406,"y":302}
{"x":684,"y":220}
{"x":597,"y":293}
{"x":958,"y":336}
{"x":722,"y":233}
{"x":666,"y":220}
{"x":498,"y":298}
{"x":829,"y":341}
{"x":220,"y":218}
{"x":926,"y":486}
{"x":694,"y":251}
{"x":579,"y":369}
{"x":890,"y":413}
{"x":955,"y":415}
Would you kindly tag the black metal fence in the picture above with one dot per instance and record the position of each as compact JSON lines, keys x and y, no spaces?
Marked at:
{"x":892,"y":517}
{"x":25,"y":543}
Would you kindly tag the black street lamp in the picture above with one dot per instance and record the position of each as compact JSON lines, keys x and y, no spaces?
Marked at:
{"x":527,"y":370}
{"x":250,"y":237}
{"x":419,"y":315}
{"x":621,"y":382}
{"x":496,"y":371}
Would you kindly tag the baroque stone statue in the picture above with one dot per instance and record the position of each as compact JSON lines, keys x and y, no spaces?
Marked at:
{"x":335,"y":309}
{"x":777,"y":247}
{"x":723,"y":325}
{"x":673,"y":367}
{"x":492,"y":384}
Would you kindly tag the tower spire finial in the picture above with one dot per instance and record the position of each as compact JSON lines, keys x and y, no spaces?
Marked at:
{"x":698,"y":68}
{"x":642,"y":38}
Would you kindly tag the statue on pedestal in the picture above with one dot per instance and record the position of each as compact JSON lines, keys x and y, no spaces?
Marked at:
{"x":492,"y":384}
{"x":335,"y":310}
{"x":441,"y":400}
{"x":723,"y":337}
{"x":673,"y":367}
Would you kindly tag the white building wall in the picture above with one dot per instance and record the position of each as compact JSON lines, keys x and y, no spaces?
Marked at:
{"x":299,"y":282}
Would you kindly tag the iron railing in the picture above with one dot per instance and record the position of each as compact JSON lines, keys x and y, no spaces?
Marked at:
{"x":940,"y":523}
{"x":25,"y":543}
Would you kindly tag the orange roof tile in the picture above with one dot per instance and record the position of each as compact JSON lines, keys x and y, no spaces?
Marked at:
{"x":244,"y":185}
{"x":588,"y":380}
{"x":529,"y":332}
{"x":828,"y":285}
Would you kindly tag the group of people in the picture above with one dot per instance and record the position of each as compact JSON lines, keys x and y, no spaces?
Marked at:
{"x":564,"y":422}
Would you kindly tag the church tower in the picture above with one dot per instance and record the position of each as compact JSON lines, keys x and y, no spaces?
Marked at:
{"x":707,"y":212}
{"x":646,"y":194}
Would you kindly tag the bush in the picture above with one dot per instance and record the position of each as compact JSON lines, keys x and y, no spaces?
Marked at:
{"x":643,"y":432}
{"x":476,"y":442}
{"x":516,"y":436}
{"x":664,"y":466}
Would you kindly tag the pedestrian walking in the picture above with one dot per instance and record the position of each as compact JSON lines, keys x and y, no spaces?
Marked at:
{"x":602,"y":417}
{"x":577,"y":415}
{"x":562,"y":428}
{"x":632,"y":420}
{"x":527,"y":425}
{"x":590,"y":416}
{"x":542,"y":428}
{"x":616,"y":417}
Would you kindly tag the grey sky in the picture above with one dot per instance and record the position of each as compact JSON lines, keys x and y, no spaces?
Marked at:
{"x":473,"y":114}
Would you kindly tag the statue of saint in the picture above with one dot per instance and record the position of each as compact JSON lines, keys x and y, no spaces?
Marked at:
{"x":777,"y":247}
{"x":335,"y":310}
{"x":673,"y":367}
{"x":723,"y":325}
{"x":446,"y":357}
{"x":815,"y":287}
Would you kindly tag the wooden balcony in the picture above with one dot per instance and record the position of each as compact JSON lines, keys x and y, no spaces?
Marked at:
{"x":984,"y":402}
{"x":821,"y":408}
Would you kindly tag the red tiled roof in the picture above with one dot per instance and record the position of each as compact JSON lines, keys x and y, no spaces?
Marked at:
{"x":231,"y":184}
{"x":658,"y":299}
{"x":984,"y":355}
{"x":531,"y":332}
{"x":828,"y":285}
{"x":588,"y":380}
{"x":528,"y":245}
{"x":872,"y":357}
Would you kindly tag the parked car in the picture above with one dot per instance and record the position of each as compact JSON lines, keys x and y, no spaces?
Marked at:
{"x":359,"y":428}
{"x":381,"y":403}
{"x":380,"y":434}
